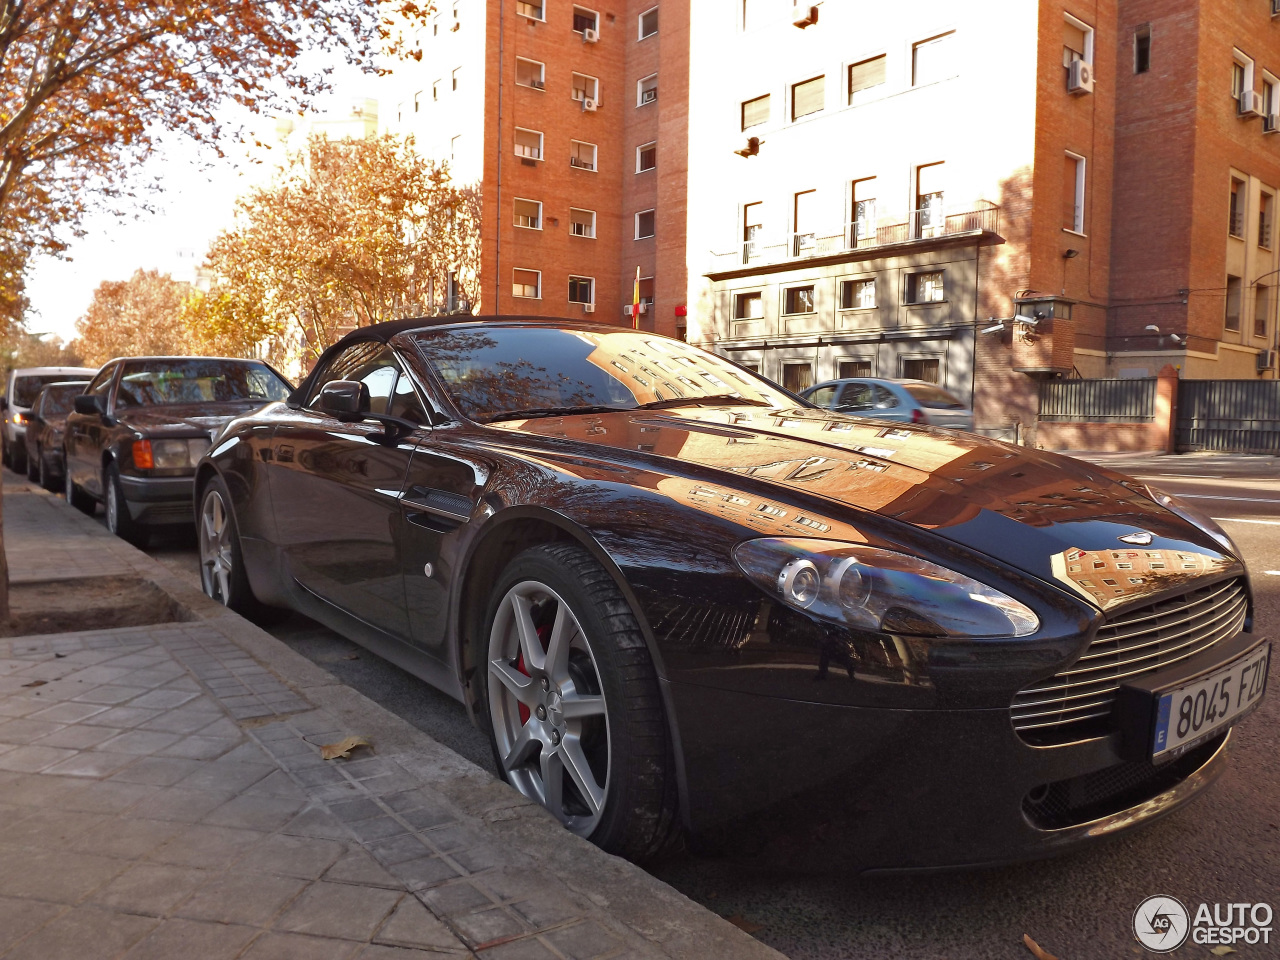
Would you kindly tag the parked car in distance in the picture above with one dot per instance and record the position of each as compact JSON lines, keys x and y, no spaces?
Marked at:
{"x":674,"y":595}
{"x":24,"y":385}
{"x":45,"y":425}
{"x":907,"y":401}
{"x":134,"y":436}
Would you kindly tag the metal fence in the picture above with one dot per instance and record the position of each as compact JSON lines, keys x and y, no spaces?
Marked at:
{"x":1098,"y":401}
{"x":1231,"y":416}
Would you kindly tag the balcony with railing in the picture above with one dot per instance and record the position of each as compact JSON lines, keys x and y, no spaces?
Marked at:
{"x":926,"y":224}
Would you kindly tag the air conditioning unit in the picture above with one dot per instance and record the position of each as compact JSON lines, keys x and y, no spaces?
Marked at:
{"x":1266,"y":359}
{"x":588,"y":308}
{"x":1271,"y":123}
{"x":590,"y":35}
{"x":804,"y":16}
{"x":629,"y":309}
{"x":1250,"y":103}
{"x":649,"y":96}
{"x":1080,"y":80}
{"x":589,"y":105}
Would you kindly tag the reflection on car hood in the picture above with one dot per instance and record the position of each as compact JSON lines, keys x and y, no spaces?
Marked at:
{"x":1027,"y":507}
{"x":187,"y":417}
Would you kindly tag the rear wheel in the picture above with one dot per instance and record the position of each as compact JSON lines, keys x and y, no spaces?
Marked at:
{"x":119,"y":520}
{"x":33,"y":467}
{"x":77,"y":497}
{"x":18,"y":456}
{"x":572,"y":700}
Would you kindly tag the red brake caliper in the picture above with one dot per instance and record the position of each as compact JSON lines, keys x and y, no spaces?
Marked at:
{"x":543,"y":633}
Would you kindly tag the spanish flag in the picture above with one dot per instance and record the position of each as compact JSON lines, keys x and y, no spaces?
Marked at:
{"x":635,"y":303}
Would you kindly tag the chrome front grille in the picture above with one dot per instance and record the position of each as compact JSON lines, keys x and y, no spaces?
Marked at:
{"x":1073,"y":702}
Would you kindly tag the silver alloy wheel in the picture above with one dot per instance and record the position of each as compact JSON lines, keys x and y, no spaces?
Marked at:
{"x":215,"y":548}
{"x":557,"y":753}
{"x":113,"y":506}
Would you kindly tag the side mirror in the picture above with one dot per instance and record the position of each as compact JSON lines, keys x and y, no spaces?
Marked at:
{"x":89,"y":404}
{"x":346,"y":400}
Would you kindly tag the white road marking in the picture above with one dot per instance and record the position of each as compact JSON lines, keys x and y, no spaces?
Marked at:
{"x":1269,"y":523}
{"x":1181,"y":476}
{"x":1207,"y":496}
{"x":1272,"y":573}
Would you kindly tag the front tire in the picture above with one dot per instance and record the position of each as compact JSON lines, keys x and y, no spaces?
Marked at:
{"x":119,"y":520}
{"x":222,"y":572}
{"x":572,"y":701}
{"x":46,"y":477}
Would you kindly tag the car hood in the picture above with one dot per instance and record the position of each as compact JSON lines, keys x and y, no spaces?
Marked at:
{"x":1058,"y":519}
{"x":187,"y":418}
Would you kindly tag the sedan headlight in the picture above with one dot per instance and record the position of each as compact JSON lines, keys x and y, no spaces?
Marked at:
{"x":872,"y":589}
{"x":168,"y":454}
{"x":1194,"y":517}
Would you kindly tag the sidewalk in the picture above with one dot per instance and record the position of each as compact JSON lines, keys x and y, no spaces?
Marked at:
{"x":163,"y":795}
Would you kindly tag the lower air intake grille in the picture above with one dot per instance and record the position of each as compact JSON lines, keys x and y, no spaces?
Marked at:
{"x":1076,"y":702}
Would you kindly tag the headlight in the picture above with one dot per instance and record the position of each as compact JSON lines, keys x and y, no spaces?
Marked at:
{"x":168,"y":454}
{"x":1195,"y":518}
{"x":872,"y":589}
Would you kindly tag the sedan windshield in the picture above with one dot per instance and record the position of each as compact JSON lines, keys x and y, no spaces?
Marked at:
{"x":59,"y":398}
{"x":935,"y":398}
{"x":26,"y":389}
{"x":499,"y":372}
{"x":147,"y":383}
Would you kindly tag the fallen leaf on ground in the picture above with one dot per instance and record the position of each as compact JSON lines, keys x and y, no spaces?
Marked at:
{"x":743,"y":924}
{"x":352,"y":656}
{"x":36,"y":683}
{"x":1039,"y":952}
{"x":1222,"y":951}
{"x":343,"y":748}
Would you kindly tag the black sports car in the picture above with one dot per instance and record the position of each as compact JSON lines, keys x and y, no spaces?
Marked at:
{"x":678,"y":596}
{"x":141,"y":425}
{"x":45,"y":423}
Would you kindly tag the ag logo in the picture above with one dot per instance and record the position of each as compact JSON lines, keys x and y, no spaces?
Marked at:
{"x":1161,"y":924}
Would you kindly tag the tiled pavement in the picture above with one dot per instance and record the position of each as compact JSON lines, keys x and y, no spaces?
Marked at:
{"x":163,"y":794}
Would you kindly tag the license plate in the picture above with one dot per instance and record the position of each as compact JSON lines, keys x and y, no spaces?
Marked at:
{"x":1199,"y":709}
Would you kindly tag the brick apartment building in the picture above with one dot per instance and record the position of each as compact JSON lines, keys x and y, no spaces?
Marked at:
{"x":837,"y":189}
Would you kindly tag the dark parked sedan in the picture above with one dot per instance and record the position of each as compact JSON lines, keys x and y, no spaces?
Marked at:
{"x":45,"y":424}
{"x":141,"y":425}
{"x":676,"y":596}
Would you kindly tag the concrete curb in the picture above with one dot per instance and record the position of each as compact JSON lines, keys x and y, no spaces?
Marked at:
{"x":667,"y":920}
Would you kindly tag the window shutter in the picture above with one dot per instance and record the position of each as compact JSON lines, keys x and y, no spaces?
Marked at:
{"x":755,"y":112}
{"x":868,"y":73}
{"x":808,"y":97}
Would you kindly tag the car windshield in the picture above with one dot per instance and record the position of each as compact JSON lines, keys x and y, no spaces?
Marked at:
{"x":147,"y":383}
{"x":502,"y":371}
{"x":935,"y":398}
{"x":59,"y":399}
{"x":26,"y":389}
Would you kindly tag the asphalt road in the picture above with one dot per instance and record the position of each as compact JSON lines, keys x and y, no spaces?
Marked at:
{"x":1223,"y":848}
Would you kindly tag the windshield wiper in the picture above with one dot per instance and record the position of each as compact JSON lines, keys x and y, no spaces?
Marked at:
{"x":533,"y":412}
{"x":719,"y":399}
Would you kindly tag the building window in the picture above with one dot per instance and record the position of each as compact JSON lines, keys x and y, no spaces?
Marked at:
{"x":584,"y":19}
{"x":455,"y":78}
{"x":648,"y":23}
{"x":1142,"y":48}
{"x":808,"y":97}
{"x":799,"y":300}
{"x":1073,"y":193}
{"x":1241,"y":74}
{"x":1261,"y":309}
{"x":1265,"y":204}
{"x":1270,"y":102}
{"x":797,"y":376}
{"x":931,"y":59}
{"x":526,"y":284}
{"x":531,"y":73}
{"x":528,"y":214}
{"x":925,"y":287}
{"x":755,"y":112}
{"x":582,"y":223}
{"x":417,"y":101}
{"x":646,"y":292}
{"x":929,"y":219}
{"x":581,"y":290}
{"x":528,"y":144}
{"x":862,"y":218}
{"x":865,"y":75}
{"x":530,"y":8}
{"x":435,"y":90}
{"x":748,"y":306}
{"x":804,"y":217}
{"x":752,"y":229}
{"x":582,"y":155}
{"x":585,"y":88}
{"x":857,"y":294}
{"x":1232,"y":320}
{"x":647,"y":90}
{"x":1236,"y":225}
{"x":644,"y":224}
{"x":849,"y":369}
{"x":1077,"y":41}
{"x":646,"y":157}
{"x":435,"y":30}
{"x":921,"y":368}
{"x":453,"y":147}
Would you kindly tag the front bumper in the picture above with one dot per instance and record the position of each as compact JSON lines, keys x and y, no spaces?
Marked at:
{"x":870,"y":789}
{"x":158,"y":500}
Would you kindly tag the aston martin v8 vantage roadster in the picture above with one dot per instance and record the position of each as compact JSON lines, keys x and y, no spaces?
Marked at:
{"x":680,"y":598}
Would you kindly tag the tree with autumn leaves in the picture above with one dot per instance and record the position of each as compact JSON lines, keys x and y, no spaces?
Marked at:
{"x":351,"y":232}
{"x":141,"y":316}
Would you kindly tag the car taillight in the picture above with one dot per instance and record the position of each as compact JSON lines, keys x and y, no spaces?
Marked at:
{"x":918,"y":416}
{"x":142,"y":458}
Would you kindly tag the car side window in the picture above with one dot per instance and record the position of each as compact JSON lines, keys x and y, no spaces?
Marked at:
{"x":855,"y":396}
{"x":405,"y":402}
{"x":885,"y":400}
{"x":100,"y":384}
{"x":373,"y":364}
{"x":822,"y":396}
